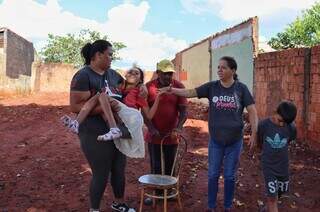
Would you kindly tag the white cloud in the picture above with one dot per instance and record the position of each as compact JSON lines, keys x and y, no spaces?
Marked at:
{"x":263,"y":39}
{"x":123,"y":23}
{"x":126,"y":22}
{"x":33,"y":20}
{"x":235,"y":10}
{"x":194,"y":6}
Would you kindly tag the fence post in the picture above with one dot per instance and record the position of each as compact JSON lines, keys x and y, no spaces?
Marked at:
{"x":306,"y":90}
{"x":210,"y":58}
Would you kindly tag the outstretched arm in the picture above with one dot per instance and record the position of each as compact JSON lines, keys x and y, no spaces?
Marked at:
{"x":253,"y":118}
{"x":188,"y":93}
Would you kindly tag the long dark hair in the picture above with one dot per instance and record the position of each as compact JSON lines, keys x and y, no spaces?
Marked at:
{"x":141,"y":75}
{"x":232,"y":64}
{"x":90,"y":49}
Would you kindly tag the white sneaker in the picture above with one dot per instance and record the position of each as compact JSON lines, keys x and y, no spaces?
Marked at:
{"x":109,"y":92}
{"x":66,"y":120}
{"x":71,"y":124}
{"x":74,"y":127}
{"x":114,"y":133}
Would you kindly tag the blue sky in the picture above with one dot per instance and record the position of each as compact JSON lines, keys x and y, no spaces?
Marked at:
{"x":164,"y":16}
{"x":152,"y":30}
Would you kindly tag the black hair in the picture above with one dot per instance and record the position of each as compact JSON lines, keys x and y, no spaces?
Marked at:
{"x":288,"y":111}
{"x":141,"y":75}
{"x":232,"y":64}
{"x":90,"y":49}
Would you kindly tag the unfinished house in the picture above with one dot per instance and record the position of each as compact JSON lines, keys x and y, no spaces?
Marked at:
{"x":193,"y":64}
{"x":16,"y":57}
{"x":198,"y":63}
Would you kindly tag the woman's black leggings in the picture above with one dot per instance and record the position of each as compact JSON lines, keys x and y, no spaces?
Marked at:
{"x":103,"y":158}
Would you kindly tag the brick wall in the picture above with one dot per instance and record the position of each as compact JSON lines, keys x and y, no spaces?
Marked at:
{"x":2,"y":67}
{"x":285,"y":75}
{"x":313,"y":131}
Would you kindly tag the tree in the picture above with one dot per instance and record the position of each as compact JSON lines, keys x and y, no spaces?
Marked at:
{"x":303,"y":32}
{"x":67,"y":48}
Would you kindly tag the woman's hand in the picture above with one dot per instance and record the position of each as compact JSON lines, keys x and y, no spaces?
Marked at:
{"x":160,"y":92}
{"x":165,"y":89}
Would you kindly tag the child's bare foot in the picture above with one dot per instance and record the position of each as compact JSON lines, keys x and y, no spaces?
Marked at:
{"x":71,"y":124}
{"x":114,"y":133}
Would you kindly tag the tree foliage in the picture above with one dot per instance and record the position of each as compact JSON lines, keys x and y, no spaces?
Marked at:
{"x":66,"y":49}
{"x":303,"y":32}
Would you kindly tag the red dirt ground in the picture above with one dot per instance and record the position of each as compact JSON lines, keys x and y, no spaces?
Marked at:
{"x":43,"y":169}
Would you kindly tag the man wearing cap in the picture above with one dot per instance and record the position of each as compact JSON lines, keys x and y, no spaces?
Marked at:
{"x":169,"y":118}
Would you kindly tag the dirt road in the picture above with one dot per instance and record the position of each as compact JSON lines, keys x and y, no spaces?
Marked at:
{"x":43,"y":169}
